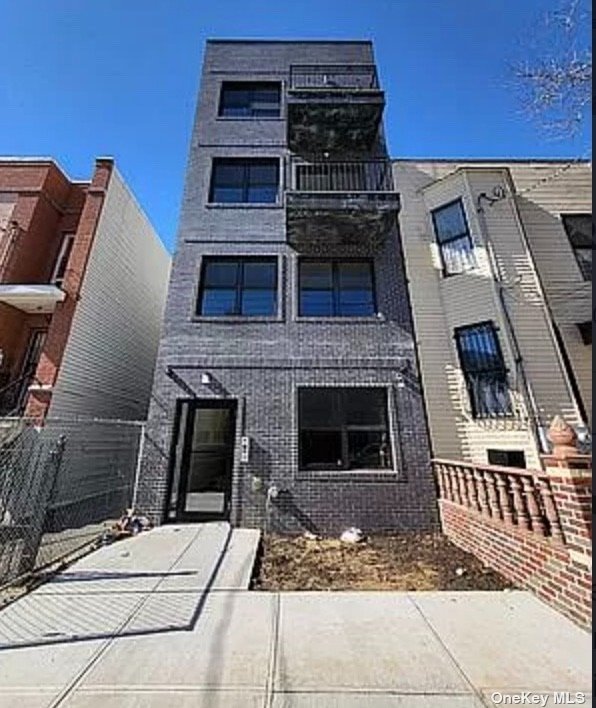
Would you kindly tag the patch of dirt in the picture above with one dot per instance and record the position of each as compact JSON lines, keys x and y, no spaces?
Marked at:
{"x":408,"y":561}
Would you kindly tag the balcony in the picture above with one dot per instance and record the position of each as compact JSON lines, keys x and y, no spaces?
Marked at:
{"x":340,"y":203}
{"x":333,"y":108}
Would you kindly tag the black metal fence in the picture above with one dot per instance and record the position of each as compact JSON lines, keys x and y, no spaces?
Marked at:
{"x":61,"y":486}
{"x":331,"y":176}
{"x":334,"y":77}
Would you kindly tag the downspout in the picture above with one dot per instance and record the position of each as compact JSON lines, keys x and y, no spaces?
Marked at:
{"x":538,"y":431}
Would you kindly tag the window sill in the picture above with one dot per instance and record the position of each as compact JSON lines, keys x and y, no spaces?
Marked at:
{"x":342,"y":320}
{"x":244,"y":205}
{"x":447,"y":276}
{"x":371,"y":476}
{"x":250,"y":118}
{"x":235,"y":319}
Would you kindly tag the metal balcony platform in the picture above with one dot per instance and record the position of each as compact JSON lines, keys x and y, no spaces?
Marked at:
{"x":333,"y":108}
{"x":340,"y":204}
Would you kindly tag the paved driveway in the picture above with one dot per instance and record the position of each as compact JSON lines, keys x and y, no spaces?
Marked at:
{"x":165,"y":619}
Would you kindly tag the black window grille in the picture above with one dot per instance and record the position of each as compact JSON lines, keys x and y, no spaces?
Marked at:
{"x":249,"y":99}
{"x":240,"y":180}
{"x":336,"y":288}
{"x":580,"y":232}
{"x":243,"y":287}
{"x":453,"y":236}
{"x":484,"y":370}
{"x":343,"y":428}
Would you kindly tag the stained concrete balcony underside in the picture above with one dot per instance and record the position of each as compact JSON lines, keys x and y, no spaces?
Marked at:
{"x":341,"y":122}
{"x":344,"y":219}
{"x":38,"y":298}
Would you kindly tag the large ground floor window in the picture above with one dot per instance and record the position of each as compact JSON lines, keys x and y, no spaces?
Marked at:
{"x":343,"y":428}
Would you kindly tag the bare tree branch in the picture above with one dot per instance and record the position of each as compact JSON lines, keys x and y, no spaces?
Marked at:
{"x":555,"y":84}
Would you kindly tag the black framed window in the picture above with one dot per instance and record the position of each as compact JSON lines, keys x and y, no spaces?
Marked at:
{"x":580,"y":233}
{"x":453,"y":236}
{"x":240,"y":180}
{"x":243,"y":287}
{"x":250,"y":99}
{"x":336,"y":288}
{"x":484,"y":370}
{"x":585,"y":331}
{"x":507,"y":458}
{"x":343,"y":428}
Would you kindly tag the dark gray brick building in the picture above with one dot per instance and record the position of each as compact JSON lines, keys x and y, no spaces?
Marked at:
{"x":286,"y":391}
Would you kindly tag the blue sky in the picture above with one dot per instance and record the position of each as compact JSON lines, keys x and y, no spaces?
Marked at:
{"x":119,"y":77}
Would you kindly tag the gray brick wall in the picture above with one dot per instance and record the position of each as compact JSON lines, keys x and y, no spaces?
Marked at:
{"x":261,"y":363}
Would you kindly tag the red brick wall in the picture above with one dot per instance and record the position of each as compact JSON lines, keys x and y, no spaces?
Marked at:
{"x":47,"y":206}
{"x":539,"y":564}
{"x":59,"y":329}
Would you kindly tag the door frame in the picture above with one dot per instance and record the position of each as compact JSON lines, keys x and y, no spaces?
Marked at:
{"x":182,"y":516}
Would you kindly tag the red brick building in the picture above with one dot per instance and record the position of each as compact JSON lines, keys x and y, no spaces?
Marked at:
{"x":58,"y":239}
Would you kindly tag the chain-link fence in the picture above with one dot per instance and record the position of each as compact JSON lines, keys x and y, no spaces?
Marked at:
{"x":61,"y":485}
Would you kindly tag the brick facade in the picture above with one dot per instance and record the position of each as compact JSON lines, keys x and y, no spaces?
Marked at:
{"x":557,"y":567}
{"x":46,"y":206}
{"x":262,"y":363}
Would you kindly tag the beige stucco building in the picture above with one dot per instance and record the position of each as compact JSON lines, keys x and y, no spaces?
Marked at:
{"x":498,"y":256}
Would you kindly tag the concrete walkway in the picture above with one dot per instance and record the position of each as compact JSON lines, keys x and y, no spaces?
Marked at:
{"x":165,"y":619}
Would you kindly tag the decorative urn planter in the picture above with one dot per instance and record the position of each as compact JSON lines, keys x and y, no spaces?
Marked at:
{"x":563,"y":437}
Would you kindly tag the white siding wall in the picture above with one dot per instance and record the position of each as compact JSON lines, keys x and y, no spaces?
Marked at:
{"x":108,"y":362}
{"x":440,"y":304}
{"x":544,"y":194}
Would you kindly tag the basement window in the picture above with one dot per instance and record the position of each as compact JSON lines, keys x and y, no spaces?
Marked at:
{"x":242,"y":287}
{"x":249,"y":99}
{"x":244,"y":181}
{"x":336,"y":288}
{"x":484,"y":370}
{"x":453,"y":237}
{"x":579,"y":231}
{"x":343,"y":428}
{"x":506,"y":458}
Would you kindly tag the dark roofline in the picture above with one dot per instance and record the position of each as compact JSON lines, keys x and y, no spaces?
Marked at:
{"x":493,"y":160}
{"x":289,"y":41}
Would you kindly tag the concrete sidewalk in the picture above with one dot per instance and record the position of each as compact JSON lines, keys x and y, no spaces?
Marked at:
{"x":165,"y":619}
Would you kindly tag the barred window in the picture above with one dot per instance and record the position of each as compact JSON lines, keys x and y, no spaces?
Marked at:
{"x":484,"y":370}
{"x":453,"y":236}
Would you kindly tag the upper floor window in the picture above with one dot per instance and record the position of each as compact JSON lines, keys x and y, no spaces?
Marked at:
{"x":336,"y":288}
{"x":484,"y":370}
{"x":343,"y":428}
{"x":244,"y":180}
{"x":248,"y":99}
{"x":245,"y":287}
{"x":453,"y":237}
{"x":59,"y":272}
{"x":580,"y":233}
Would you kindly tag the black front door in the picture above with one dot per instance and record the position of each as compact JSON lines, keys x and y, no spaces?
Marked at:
{"x":202,"y":460}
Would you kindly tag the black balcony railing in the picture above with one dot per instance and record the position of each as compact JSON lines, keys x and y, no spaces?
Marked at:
{"x":334,"y":77}
{"x":345,"y":177}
